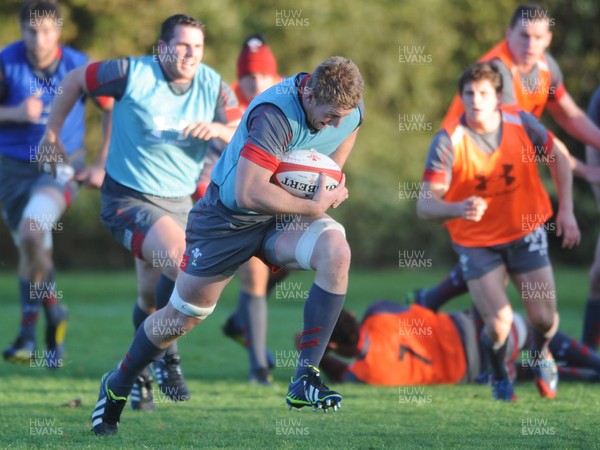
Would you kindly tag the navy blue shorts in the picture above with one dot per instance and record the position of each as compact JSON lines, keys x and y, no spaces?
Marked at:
{"x":219,"y":240}
{"x":129,"y":214}
{"x":19,"y":180}
{"x":524,"y":255}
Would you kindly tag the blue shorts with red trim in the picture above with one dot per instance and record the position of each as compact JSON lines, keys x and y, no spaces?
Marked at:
{"x":219,"y":240}
{"x":129,"y":214}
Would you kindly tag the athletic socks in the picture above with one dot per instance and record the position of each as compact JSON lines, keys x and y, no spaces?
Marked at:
{"x":568,"y":350}
{"x":55,"y":314}
{"x":33,"y":295}
{"x":164,"y":289}
{"x":138,"y":316}
{"x":321,"y":312}
{"x":30,"y":308}
{"x":53,"y":311}
{"x":591,"y":324}
{"x":496,"y":355}
{"x":138,"y":319}
{"x":141,"y":353}
{"x":252,"y":312}
{"x":539,"y":345}
{"x":452,"y":286}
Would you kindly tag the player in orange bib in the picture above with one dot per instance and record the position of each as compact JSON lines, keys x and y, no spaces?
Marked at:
{"x":480,"y":181}
{"x":532,"y":82}
{"x":398,"y":345}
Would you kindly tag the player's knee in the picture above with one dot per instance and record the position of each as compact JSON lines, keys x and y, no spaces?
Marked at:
{"x":543,"y":317}
{"x":543,"y":322}
{"x":334,"y":251}
{"x":32,"y":235}
{"x":189,"y":311}
{"x":168,"y":324}
{"x":40,"y":218}
{"x":323,"y":240}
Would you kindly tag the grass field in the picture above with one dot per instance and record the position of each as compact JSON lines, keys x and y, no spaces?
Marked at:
{"x":226,"y":412}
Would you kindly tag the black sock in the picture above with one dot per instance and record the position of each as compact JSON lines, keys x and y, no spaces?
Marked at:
{"x":321,"y":312}
{"x":138,"y":319}
{"x":253,"y":310}
{"x":496,"y":357}
{"x":31,"y":301}
{"x":141,"y":353}
{"x":164,"y":289}
{"x":539,"y":345}
{"x":568,"y":350}
{"x":591,"y":324}
{"x":138,"y":316}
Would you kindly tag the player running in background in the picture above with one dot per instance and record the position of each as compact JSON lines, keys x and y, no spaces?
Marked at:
{"x":398,"y":345}
{"x":238,"y":218}
{"x":168,"y":106}
{"x":256,"y":72}
{"x":495,"y":206}
{"x":31,"y":71}
{"x":532,"y":82}
{"x":591,"y":320}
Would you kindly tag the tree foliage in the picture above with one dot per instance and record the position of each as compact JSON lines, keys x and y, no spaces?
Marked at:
{"x":446,"y":35}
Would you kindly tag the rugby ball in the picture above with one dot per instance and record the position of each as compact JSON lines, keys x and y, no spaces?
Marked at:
{"x":298,"y":172}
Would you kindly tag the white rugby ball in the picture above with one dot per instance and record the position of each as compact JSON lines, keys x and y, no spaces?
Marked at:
{"x":298,"y":172}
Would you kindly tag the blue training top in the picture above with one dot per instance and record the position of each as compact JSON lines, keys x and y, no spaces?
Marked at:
{"x":20,"y":140}
{"x":148,"y":152}
{"x":286,"y":96}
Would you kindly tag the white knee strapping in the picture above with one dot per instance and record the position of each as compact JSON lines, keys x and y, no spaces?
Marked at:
{"x":188,"y":309}
{"x":45,"y":211}
{"x":306,"y":243}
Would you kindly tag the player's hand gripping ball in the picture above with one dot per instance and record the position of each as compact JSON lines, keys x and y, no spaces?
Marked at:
{"x":298,"y":172}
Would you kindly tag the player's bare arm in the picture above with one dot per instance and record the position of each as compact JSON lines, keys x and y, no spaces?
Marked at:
{"x":566,"y":224}
{"x":73,"y":86}
{"x":28,"y":111}
{"x":432,"y":206}
{"x":574,"y":121}
{"x":589,"y":173}
{"x":254,"y":191}
{"x":93,"y":175}
{"x":226,"y":120}
{"x":52,"y":149}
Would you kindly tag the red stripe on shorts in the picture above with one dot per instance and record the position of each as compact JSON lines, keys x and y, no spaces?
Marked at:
{"x":184,"y":262}
{"x":310,"y":343}
{"x":312,"y":330}
{"x":136,"y":244}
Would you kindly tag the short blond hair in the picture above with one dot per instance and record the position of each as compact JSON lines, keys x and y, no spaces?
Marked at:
{"x":336,"y":81}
